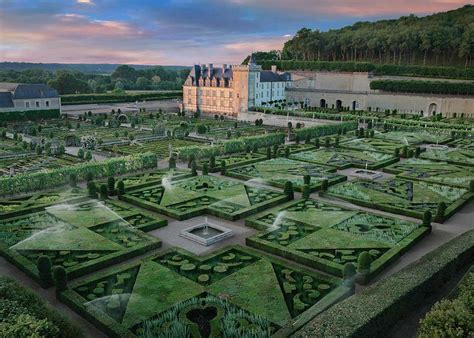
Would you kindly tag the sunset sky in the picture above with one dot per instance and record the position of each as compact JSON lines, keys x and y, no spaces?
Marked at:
{"x":176,"y":32}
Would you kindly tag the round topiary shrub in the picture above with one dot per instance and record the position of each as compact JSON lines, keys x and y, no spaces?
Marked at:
{"x":205,"y":170}
{"x":349,"y":271}
{"x":92,"y":189}
{"x":307,"y":179}
{"x":288,"y":190}
{"x":111,"y":184}
{"x":440,"y":212}
{"x":427,"y":218}
{"x":44,"y":269}
{"x":223,"y":168}
{"x":172,"y":163}
{"x":363,"y":262}
{"x":194,"y":168}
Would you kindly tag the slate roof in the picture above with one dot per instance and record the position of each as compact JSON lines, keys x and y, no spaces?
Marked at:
{"x":269,"y":76}
{"x":34,"y":91}
{"x":6,"y":100}
{"x":203,"y":71}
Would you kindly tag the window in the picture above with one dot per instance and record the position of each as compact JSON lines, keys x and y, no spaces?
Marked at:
{"x":47,"y":103}
{"x":189,"y":92}
{"x":214,"y":93}
{"x":189,"y":100}
{"x":37,"y":104}
{"x":27,"y":104}
{"x":222,"y":93}
{"x":230,"y":94}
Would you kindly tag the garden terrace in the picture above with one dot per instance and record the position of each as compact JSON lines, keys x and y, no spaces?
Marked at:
{"x":460,"y":156}
{"x":326,"y":236}
{"x":154,"y":177}
{"x":160,"y":147}
{"x":372,"y":144}
{"x":190,"y":197}
{"x":19,"y":205}
{"x":434,"y":172}
{"x":34,"y":163}
{"x":278,"y":171}
{"x":345,"y":158}
{"x":235,"y":290}
{"x":463,"y":143}
{"x":81,"y":237}
{"x":405,"y":197}
{"x":413,"y":138}
{"x":293,"y":148}
{"x":232,"y":161}
{"x":10,"y":147}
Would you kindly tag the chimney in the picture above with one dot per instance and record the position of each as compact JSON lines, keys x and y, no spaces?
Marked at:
{"x":210,"y":70}
{"x":274,"y":69}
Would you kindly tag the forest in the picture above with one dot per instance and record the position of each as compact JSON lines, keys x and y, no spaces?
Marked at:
{"x":124,"y":77}
{"x":440,"y":39}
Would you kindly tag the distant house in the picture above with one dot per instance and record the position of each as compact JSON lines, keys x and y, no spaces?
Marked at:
{"x":18,"y":97}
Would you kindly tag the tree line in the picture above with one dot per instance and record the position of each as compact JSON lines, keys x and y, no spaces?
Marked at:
{"x":123,"y":78}
{"x":440,"y":39}
{"x":429,"y":87}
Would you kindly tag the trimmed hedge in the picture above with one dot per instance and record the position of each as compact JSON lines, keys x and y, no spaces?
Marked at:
{"x":55,"y":177}
{"x":324,"y":130}
{"x":232,"y":146}
{"x":428,"y":87}
{"x":18,"y":304}
{"x":370,"y":312}
{"x":109,"y":98}
{"x":378,"y":69}
{"x":29,"y":115}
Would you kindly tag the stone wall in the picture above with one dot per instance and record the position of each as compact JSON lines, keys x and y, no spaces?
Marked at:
{"x":352,"y":90}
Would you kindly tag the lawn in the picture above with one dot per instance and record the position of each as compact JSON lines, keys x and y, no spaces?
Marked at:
{"x":190,"y":197}
{"x":405,"y":197}
{"x":341,"y":158}
{"x":431,"y":171}
{"x":372,"y":144}
{"x":233,"y":291}
{"x":326,"y":236}
{"x":278,"y":171}
{"x":413,"y":138}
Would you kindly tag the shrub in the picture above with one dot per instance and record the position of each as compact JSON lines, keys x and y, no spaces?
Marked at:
{"x":440,"y":211}
{"x":417,"y":152}
{"x":396,"y":152}
{"x":307,"y":179}
{"x":80,"y":153}
{"x":316,"y":143}
{"x":111,"y":184}
{"x":73,"y":180}
{"x":201,"y":129}
{"x":92,"y":189}
{"x":172,"y":163}
{"x":363,"y":262}
{"x":405,"y":151}
{"x":44,"y":269}
{"x":60,"y":278}
{"x":297,"y":139}
{"x":447,"y":318}
{"x":287,"y":152}
{"x":307,"y":139}
{"x":306,"y":191}
{"x":103,"y":191}
{"x":194,"y":168}
{"x":349,"y":270}
{"x":324,"y":185}
{"x":288,"y":190}
{"x":205,"y":170}
{"x":89,"y":176}
{"x":471,"y":186}
{"x":426,"y":87}
{"x":223,"y":168}
{"x":269,"y":153}
{"x":212,"y":162}
{"x":121,"y":188}
{"x":427,"y":218}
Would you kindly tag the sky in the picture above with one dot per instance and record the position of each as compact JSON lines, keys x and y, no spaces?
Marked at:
{"x":177,"y":32}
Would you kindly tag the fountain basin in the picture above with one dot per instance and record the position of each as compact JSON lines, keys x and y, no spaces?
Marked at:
{"x":206,"y":233}
{"x":366,"y":174}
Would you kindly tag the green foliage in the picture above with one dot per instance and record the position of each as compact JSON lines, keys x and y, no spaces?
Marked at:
{"x":73,"y":180}
{"x":363,"y":262}
{"x":194,"y":168}
{"x":289,"y":190}
{"x":306,"y":191}
{"x":29,"y":115}
{"x":55,"y":177}
{"x":307,"y":179}
{"x":324,"y":185}
{"x":471,"y":186}
{"x":427,"y":218}
{"x":117,"y":97}
{"x":24,"y":314}
{"x":172,"y":163}
{"x":60,"y":278}
{"x":316,"y":143}
{"x":111,"y":184}
{"x":121,"y":188}
{"x":369,"y":312}
{"x":349,"y":270}
{"x":201,"y":129}
{"x":440,"y":211}
{"x":212,"y":162}
{"x":92,"y":189}
{"x":223,"y":168}
{"x":205,"y":169}
{"x":426,"y":87}
{"x":44,"y":269}
{"x":103,"y":191}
